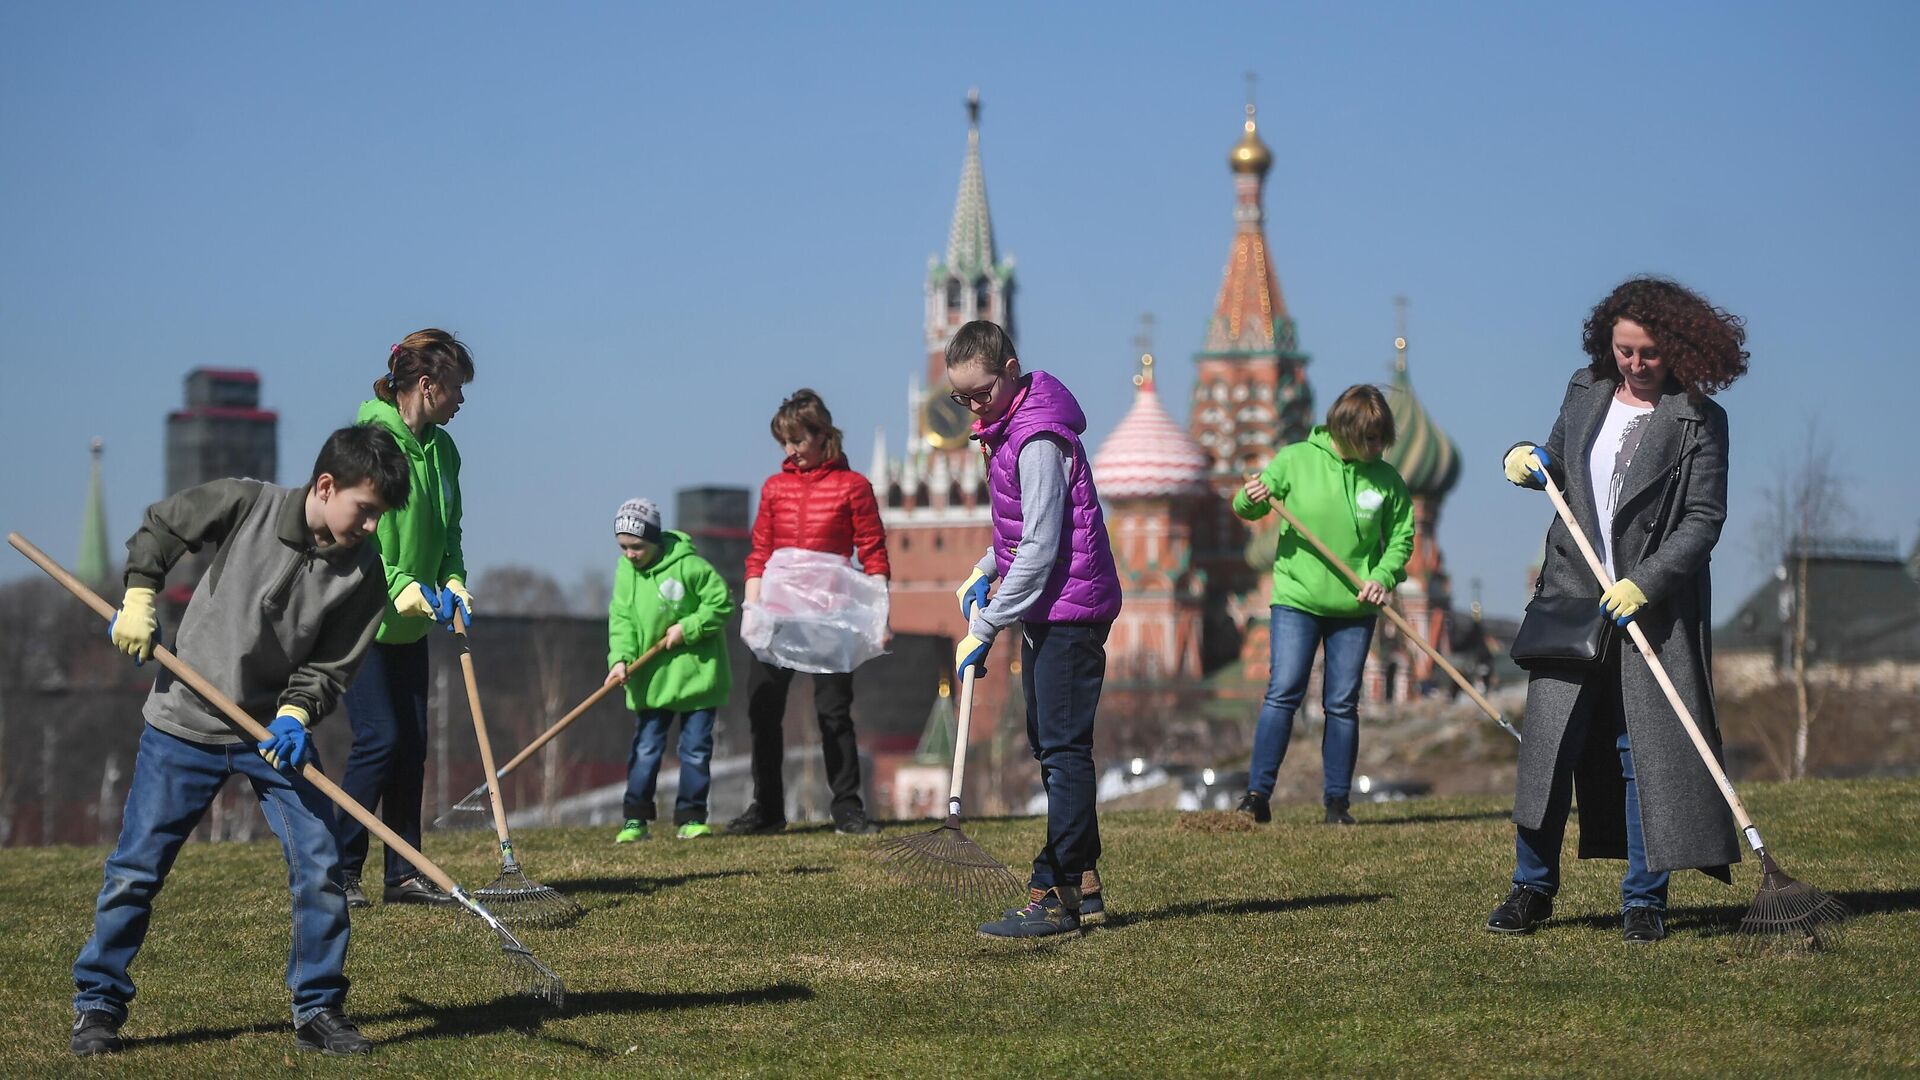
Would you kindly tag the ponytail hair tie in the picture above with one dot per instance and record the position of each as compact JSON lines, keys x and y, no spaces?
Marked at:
{"x":393,"y":350}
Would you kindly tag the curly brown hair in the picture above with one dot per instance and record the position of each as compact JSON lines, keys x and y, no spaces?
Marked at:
{"x":1701,"y":344}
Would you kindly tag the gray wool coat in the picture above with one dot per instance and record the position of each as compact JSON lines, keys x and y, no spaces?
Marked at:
{"x":1671,"y":506}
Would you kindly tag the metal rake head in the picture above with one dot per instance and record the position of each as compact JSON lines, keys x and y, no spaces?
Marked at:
{"x":524,"y":971}
{"x":522,"y":901}
{"x":476,"y":802}
{"x":1791,"y":914}
{"x":946,"y":861}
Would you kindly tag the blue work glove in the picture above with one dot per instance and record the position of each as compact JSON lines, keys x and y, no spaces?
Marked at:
{"x":970,"y":653}
{"x":289,"y":747}
{"x":453,"y":597}
{"x":973,"y":594}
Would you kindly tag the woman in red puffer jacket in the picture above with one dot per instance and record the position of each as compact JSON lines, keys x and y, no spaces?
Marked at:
{"x":818,"y":503}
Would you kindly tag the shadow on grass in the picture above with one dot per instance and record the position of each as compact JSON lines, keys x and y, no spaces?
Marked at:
{"x":1429,"y":819}
{"x":646,"y":886}
{"x":510,"y":1012}
{"x":1714,"y":920}
{"x":1193,"y":909}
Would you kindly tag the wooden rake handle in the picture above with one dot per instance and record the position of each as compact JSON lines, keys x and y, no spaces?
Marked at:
{"x":1406,"y":628}
{"x":1659,"y":671}
{"x":960,"y":742}
{"x":480,"y":727}
{"x":245,"y":725}
{"x":579,"y":710}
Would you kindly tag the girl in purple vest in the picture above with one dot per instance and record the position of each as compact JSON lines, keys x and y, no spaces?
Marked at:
{"x":1057,"y":581}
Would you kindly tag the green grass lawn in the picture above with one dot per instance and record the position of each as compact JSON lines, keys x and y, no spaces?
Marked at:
{"x":1292,"y":949}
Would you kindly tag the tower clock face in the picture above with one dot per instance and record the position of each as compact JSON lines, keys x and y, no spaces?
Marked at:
{"x":948,"y":423}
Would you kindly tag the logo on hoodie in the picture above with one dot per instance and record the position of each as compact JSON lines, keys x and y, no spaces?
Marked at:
{"x":672,"y":590}
{"x":1367,"y":501}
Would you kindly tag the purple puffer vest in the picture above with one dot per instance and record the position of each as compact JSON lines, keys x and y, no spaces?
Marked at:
{"x":1084,"y":587}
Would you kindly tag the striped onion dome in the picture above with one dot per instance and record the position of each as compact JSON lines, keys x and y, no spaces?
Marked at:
{"x":1147,"y":455}
{"x":1426,"y":458}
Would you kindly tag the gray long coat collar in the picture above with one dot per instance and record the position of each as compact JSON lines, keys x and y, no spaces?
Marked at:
{"x":1660,"y":445}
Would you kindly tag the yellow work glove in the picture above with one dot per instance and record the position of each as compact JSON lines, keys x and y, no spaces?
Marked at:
{"x":973,"y":593}
{"x":414,"y":601}
{"x":1521,"y":468}
{"x":1623,"y":600}
{"x":970,"y":653}
{"x":459,"y":589}
{"x":135,"y":628}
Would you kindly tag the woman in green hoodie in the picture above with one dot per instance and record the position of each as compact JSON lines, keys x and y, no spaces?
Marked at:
{"x":420,"y":547}
{"x":1338,"y":487}
{"x":664,"y":592}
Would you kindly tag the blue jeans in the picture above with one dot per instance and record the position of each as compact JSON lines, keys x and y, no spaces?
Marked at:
{"x":387,"y":768}
{"x":1062,"y":669}
{"x":174,"y":781}
{"x":643,"y":763}
{"x":1294,"y":638}
{"x":1536,"y":861}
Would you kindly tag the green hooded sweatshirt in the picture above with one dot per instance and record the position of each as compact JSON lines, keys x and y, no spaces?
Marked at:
{"x":677,"y":587}
{"x":422,"y":541}
{"x":1359,"y":509}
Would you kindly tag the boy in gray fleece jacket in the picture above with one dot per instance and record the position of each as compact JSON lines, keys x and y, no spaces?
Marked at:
{"x":278,"y":623}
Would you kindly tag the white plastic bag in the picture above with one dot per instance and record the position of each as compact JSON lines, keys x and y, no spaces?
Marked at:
{"x":817,"y":613}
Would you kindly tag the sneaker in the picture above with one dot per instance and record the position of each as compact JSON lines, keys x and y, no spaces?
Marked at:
{"x":1642,"y":926}
{"x":417,"y":890}
{"x":96,"y":1031}
{"x":356,"y":896}
{"x":754,"y":823}
{"x":693,"y":830}
{"x":331,"y":1033}
{"x":1337,"y":813}
{"x":1049,"y":913}
{"x":856,"y":824}
{"x":1256,"y":805}
{"x":633,"y":830}
{"x":1521,"y":911}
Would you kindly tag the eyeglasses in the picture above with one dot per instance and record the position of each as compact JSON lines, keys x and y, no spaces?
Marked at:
{"x":980,"y":397}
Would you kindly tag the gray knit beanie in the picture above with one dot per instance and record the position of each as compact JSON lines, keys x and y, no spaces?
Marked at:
{"x":638,"y":517}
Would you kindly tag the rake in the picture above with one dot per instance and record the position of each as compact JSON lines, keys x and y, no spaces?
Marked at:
{"x":946,"y":860}
{"x":523,"y":970}
{"x":476,"y":800}
{"x":1398,"y":620}
{"x":1784,"y":909}
{"x":522,"y":900}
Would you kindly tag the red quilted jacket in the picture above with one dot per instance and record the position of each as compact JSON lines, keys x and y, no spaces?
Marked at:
{"x":829,"y":508}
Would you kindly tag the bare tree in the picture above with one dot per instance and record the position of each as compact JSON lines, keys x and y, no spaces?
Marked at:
{"x":1806,"y":503}
{"x":519,"y":590}
{"x":591,"y":593}
{"x":550,"y":672}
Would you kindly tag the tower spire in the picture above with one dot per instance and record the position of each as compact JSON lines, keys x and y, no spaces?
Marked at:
{"x":970,"y":239}
{"x":91,"y":565}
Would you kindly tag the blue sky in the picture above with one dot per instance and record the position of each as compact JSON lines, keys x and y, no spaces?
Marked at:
{"x":652,"y":223}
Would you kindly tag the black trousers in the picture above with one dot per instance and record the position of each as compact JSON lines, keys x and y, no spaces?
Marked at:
{"x":766,"y":712}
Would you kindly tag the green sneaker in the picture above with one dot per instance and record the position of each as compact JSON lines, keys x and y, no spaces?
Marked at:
{"x":693,"y":830}
{"x":631,"y":831}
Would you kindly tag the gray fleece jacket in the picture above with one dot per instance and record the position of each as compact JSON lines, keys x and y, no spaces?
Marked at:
{"x":275,"y":621}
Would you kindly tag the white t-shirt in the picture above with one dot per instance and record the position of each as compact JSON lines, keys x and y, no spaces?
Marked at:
{"x":1607,"y":463}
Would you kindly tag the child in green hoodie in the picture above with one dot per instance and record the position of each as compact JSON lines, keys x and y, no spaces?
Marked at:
{"x":663,"y":591}
{"x":1338,"y":487}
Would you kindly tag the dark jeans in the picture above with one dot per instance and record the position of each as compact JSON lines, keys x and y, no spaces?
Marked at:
{"x":1062,"y":669}
{"x":643,"y":764}
{"x":766,"y":714}
{"x":1537,"y":851}
{"x":1294,"y":637}
{"x":387,"y":706}
{"x":174,"y":781}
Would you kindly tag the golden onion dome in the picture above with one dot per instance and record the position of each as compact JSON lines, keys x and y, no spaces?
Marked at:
{"x":1250,"y":155}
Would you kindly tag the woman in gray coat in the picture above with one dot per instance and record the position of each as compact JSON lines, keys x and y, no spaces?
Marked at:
{"x":1641,"y":452}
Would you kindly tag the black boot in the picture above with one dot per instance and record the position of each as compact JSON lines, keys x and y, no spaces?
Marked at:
{"x":1642,"y":926}
{"x":356,"y":896}
{"x":331,"y":1033}
{"x":1337,"y":812}
{"x":756,"y":822}
{"x":96,"y":1032}
{"x":1521,"y":911}
{"x":1256,"y":805}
